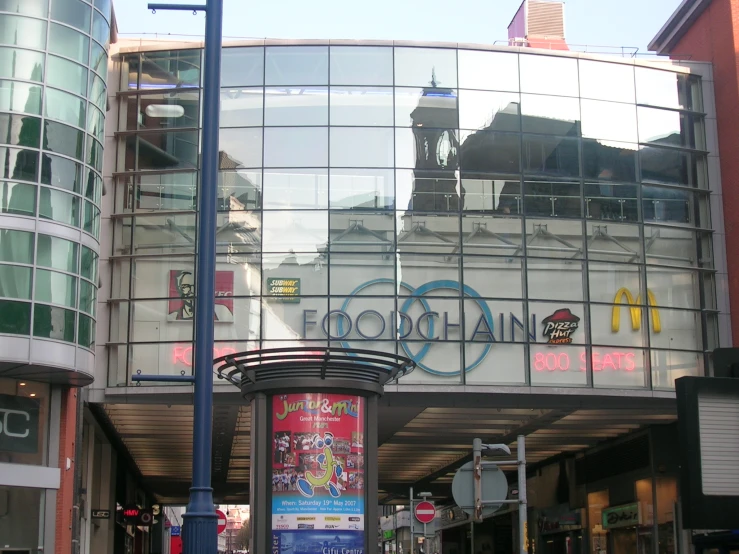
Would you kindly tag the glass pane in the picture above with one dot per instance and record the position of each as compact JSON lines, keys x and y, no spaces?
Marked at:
{"x":492,"y":193}
{"x":166,"y":110}
{"x":72,"y":12}
{"x":493,"y":111}
{"x":61,"y":173}
{"x":609,"y":121}
{"x":37,"y":8}
{"x":554,"y":238}
{"x":66,"y":75}
{"x":169,"y":69}
{"x":239,"y":190}
{"x":21,"y":64}
{"x":557,"y":365}
{"x":670,"y":365}
{"x":63,"y":139}
{"x":416,"y":107}
{"x":99,"y":60}
{"x":611,"y":201}
{"x":361,"y":65}
{"x":15,"y":281}
{"x":423,"y":67}
{"x":551,"y":155}
{"x":676,"y":288}
{"x":56,"y":288}
{"x":57,"y":253}
{"x":658,"y":88}
{"x":488,"y":70}
{"x":163,"y":150}
{"x":555,"y":279}
{"x":549,"y":75}
{"x":53,"y":323}
{"x":675,"y":329}
{"x":16,"y":246}
{"x":65,"y":107}
{"x":86,"y":333}
{"x":295,"y":231}
{"x":427,"y":148}
{"x":619,"y":368}
{"x":23,"y":31}
{"x":242,"y":67}
{"x":607,"y":81}
{"x":88,"y":295}
{"x":362,"y":188}
{"x":627,"y":246}
{"x":100,"y":29}
{"x":610,"y":283}
{"x":667,"y":205}
{"x":667,"y":166}
{"x":362,"y":106}
{"x":552,"y":198}
{"x":361,"y":147}
{"x":20,"y":97}
{"x":59,"y":206}
{"x":19,"y":164}
{"x":551,"y":115}
{"x":243,"y":107}
{"x":295,"y":147}
{"x":486,"y":152}
{"x":240,"y":148}
{"x":15,"y":317}
{"x":97,"y":91}
{"x":20,"y":131}
{"x":104,"y":6}
{"x":427,"y":191}
{"x":94,"y":154}
{"x":665,"y":127}
{"x":89,"y":264}
{"x":296,"y":189}
{"x":296,"y":106}
{"x":95,"y":122}
{"x":670,"y":246}
{"x":296,"y":65}
{"x":609,"y":161}
{"x":17,"y":198}
{"x":69,"y":43}
{"x":91,"y":220}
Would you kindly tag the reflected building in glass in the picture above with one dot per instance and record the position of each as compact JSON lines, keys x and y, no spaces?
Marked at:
{"x":435,"y":201}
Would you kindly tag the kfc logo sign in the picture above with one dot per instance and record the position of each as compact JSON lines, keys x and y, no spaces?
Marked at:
{"x":182,"y":295}
{"x":19,"y":419}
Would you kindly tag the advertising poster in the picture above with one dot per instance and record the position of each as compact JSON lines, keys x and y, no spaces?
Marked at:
{"x":317,"y":474}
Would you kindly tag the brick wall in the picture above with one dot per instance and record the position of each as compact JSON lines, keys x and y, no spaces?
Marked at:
{"x":65,"y":496}
{"x":714,"y":37}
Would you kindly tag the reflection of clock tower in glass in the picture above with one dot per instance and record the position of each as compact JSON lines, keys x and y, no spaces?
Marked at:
{"x":437,"y":150}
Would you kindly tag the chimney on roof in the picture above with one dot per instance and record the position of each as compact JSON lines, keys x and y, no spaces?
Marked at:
{"x":539,"y":24}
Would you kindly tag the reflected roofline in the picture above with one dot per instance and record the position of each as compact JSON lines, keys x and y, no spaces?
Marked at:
{"x":132,"y":45}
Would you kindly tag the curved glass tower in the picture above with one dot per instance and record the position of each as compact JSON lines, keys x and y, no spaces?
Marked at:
{"x":53,"y":69}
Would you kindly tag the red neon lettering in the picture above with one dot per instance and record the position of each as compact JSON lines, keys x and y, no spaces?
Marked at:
{"x":630,"y":365}
{"x":608,"y":362}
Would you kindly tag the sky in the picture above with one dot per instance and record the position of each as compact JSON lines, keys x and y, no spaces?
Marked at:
{"x":612,"y":23}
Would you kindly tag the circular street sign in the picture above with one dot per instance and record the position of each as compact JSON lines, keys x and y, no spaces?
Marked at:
{"x":494,"y":487}
{"x":221,"y":521}
{"x":425,"y":512}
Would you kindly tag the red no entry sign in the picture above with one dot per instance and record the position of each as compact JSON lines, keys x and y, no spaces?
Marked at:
{"x":425,"y":512}
{"x":221,"y":521}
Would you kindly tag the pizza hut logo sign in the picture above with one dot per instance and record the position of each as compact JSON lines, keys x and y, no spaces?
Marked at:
{"x":560,"y":326}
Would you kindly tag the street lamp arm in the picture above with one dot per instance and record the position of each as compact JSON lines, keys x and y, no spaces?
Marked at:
{"x":184,"y":7}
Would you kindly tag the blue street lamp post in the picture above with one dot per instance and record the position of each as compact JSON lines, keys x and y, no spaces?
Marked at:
{"x":200,"y":534}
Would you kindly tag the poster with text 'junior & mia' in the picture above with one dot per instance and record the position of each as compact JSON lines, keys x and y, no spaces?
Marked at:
{"x":317,"y":469}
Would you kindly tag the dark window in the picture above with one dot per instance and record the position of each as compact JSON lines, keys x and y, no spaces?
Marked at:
{"x":15,"y":317}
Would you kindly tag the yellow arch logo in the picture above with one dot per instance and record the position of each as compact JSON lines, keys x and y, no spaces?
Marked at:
{"x":634,"y":310}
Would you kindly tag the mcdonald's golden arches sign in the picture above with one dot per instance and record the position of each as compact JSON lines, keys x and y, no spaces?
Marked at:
{"x":634,"y":310}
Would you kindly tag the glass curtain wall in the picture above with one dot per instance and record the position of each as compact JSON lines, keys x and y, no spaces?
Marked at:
{"x":53,"y":70}
{"x":446,"y":204}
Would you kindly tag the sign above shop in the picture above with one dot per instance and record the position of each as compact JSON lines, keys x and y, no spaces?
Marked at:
{"x":282,"y":289}
{"x":628,"y":515}
{"x":19,"y":423}
{"x":100,"y":514}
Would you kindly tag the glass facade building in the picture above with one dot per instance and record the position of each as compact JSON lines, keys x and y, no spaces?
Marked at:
{"x":503,"y":217}
{"x":53,"y":72}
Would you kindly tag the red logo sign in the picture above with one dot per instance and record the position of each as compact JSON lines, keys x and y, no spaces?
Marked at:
{"x":425,"y":512}
{"x":182,"y":295}
{"x":560,"y":326}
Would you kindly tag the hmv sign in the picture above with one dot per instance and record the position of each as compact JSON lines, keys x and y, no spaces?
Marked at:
{"x":19,"y":422}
